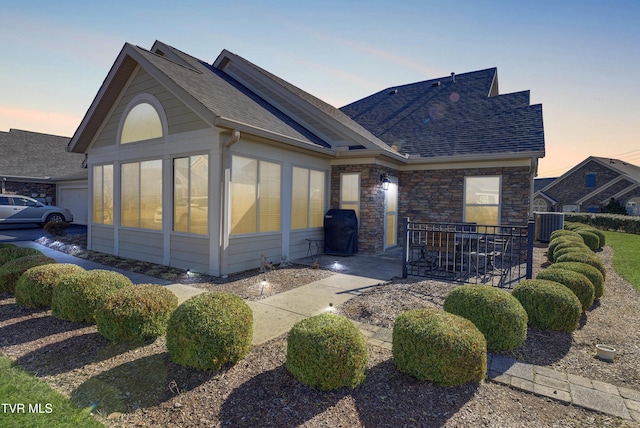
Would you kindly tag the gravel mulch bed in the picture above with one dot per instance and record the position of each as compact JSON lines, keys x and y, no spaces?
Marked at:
{"x":138,"y":385}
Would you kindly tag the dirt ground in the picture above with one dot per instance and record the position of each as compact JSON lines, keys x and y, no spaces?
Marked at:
{"x":138,"y":386}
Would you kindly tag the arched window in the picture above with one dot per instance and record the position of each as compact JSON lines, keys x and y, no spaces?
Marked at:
{"x":142,"y":121}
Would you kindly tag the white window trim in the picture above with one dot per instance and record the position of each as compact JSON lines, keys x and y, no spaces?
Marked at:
{"x":464,"y":197}
{"x":140,"y":99}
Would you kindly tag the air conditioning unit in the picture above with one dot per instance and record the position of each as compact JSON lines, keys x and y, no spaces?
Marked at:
{"x":546,"y":223}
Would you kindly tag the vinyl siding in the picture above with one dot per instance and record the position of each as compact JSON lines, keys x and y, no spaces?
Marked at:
{"x":298,"y":244}
{"x":141,"y":245}
{"x":179,"y":117}
{"x":102,"y":239}
{"x":245,"y":252}
{"x":188,"y":252}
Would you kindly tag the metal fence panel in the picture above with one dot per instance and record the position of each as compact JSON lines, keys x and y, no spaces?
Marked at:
{"x":467,"y":252}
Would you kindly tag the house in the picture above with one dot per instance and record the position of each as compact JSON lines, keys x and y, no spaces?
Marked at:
{"x":590,"y":185}
{"x":37,"y":165}
{"x":212,"y":167}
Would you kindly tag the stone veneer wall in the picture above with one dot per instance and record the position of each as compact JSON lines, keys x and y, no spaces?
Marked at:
{"x":29,"y":188}
{"x":571,"y":188}
{"x":431,"y":196}
{"x":437,"y":195}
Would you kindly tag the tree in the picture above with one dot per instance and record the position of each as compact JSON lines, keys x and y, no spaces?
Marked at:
{"x":614,"y":207}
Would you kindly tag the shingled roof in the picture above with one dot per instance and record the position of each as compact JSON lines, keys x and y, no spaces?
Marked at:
{"x":452,"y":116}
{"x":431,"y":119}
{"x":33,"y":155}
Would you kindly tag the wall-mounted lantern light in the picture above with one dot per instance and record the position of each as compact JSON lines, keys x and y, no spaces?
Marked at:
{"x":384,"y":179}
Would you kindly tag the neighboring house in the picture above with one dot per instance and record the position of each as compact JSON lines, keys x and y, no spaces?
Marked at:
{"x":38,"y":165}
{"x":590,"y":185}
{"x":210,"y":167}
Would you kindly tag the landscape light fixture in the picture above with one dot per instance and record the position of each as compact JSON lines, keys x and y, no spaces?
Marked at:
{"x":384,"y":179}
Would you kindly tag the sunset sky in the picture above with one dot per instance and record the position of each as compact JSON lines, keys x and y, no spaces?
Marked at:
{"x":579,"y":59}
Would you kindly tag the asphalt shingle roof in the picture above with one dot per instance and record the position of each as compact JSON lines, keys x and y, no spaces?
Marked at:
{"x":34,"y":155}
{"x":225,"y":97}
{"x":440,"y":117}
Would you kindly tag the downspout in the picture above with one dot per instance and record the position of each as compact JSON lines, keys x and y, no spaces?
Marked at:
{"x":225,"y":180}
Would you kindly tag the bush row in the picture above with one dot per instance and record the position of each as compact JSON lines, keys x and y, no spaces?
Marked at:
{"x":614,"y":222}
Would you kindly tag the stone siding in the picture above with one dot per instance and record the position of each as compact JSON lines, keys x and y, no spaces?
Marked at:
{"x":31,"y":188}
{"x":430,"y":196}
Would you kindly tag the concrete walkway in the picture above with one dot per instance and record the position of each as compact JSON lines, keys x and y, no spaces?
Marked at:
{"x":275,"y":315}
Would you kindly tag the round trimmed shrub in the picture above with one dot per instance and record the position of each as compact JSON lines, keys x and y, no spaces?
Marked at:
{"x":11,"y":271}
{"x":136,"y":313}
{"x":496,"y":313}
{"x":549,"y":305}
{"x":13,"y":252}
{"x":573,"y":226}
{"x":76,"y":297}
{"x":434,"y":345}
{"x":590,"y":259}
{"x":35,"y":286}
{"x":581,"y":248}
{"x":562,"y":232}
{"x":327,"y":352}
{"x":601,"y":236}
{"x":210,"y":330}
{"x":594,"y":275}
{"x":581,"y":286}
{"x":590,"y":239}
{"x":559,"y":241}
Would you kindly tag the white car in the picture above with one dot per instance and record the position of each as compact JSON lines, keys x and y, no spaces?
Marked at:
{"x":21,"y":209}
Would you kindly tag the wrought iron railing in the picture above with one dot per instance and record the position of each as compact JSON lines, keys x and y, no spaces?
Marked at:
{"x":466,"y":252}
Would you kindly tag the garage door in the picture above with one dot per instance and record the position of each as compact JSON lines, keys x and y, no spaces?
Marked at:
{"x":76,"y":200}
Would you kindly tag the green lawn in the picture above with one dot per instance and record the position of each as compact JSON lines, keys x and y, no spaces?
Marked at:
{"x":27,"y":402}
{"x":626,"y":247}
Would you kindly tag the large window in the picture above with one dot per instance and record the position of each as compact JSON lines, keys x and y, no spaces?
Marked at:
{"x":103,"y":194}
{"x":255,"y":196}
{"x":191,"y":194}
{"x":307,"y":199}
{"x":141,"y":198}
{"x":482,"y":200}
{"x":142,"y":123}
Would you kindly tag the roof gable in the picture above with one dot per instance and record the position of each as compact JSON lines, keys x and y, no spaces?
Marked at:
{"x":625,"y":169}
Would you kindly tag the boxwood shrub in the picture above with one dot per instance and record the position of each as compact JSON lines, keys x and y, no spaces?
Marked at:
{"x":565,"y":249}
{"x":590,"y":259}
{"x":549,"y":305}
{"x":35,"y":286}
{"x":434,"y":345}
{"x":562,"y":232}
{"x":590,"y":239}
{"x":581,"y":286}
{"x":210,"y":330}
{"x":12,"y":252}
{"x":594,"y":275}
{"x":496,"y":313}
{"x":560,"y":240}
{"x":11,"y":271}
{"x":76,"y":297}
{"x":136,"y":313}
{"x":601,"y":236}
{"x":327,"y":352}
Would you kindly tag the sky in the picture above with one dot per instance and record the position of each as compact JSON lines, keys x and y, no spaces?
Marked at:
{"x":579,"y":59}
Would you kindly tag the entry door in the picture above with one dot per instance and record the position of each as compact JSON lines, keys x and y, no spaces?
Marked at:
{"x":391,"y":214}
